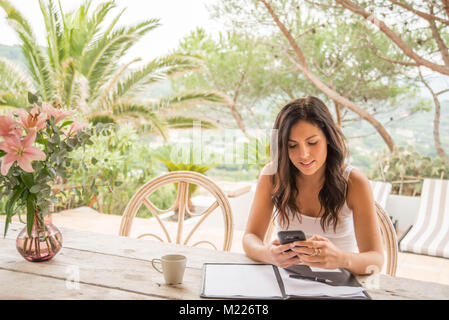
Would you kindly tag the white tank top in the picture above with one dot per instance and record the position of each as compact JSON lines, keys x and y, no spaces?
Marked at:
{"x":344,"y":235}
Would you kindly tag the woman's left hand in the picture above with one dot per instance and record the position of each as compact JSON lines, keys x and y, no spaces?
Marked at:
{"x":320,"y":252}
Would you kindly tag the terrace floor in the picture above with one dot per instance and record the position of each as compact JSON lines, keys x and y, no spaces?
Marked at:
{"x":414,"y":266}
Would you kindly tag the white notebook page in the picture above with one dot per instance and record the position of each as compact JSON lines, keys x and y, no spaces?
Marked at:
{"x":225,"y":280}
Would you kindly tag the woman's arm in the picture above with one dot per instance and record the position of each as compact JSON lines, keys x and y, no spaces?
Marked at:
{"x":257,"y":225}
{"x":360,"y":199}
{"x":321,"y":252}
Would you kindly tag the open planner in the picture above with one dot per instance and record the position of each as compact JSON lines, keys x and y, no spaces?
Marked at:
{"x":266,"y":281}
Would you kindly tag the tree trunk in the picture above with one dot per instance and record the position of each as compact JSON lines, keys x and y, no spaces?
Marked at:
{"x":436,"y":132}
{"x":436,"y":122}
{"x":338,"y":112}
{"x":238,"y":119}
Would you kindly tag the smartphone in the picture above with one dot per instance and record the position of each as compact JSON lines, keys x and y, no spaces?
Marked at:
{"x":291,"y":236}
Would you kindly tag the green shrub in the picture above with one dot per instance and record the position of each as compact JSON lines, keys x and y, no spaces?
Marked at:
{"x":407,"y":168}
{"x":113,"y":168}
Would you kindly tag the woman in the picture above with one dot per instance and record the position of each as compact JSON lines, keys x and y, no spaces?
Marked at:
{"x":313,"y":190}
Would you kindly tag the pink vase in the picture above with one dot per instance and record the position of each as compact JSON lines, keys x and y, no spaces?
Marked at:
{"x":44,"y":242}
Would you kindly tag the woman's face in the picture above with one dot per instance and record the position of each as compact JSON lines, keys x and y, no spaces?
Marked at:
{"x":307,"y":147}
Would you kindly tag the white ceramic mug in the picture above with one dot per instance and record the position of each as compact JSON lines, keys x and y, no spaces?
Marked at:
{"x":173,"y":267}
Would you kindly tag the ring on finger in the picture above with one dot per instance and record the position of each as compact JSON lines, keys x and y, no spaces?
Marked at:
{"x":314,"y":252}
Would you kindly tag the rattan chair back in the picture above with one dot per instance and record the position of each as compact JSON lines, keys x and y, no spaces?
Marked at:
{"x":183,"y":179}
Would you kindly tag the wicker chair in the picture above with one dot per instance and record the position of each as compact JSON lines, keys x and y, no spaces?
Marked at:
{"x":389,"y":238}
{"x":183,"y":179}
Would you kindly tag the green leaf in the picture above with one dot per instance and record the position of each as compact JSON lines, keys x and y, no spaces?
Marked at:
{"x":31,"y":209}
{"x":28,"y":179}
{"x":9,"y":206}
{"x":35,"y":188}
{"x":32,"y":98}
{"x":10,"y":203}
{"x":7,"y":221}
{"x":66,"y":123}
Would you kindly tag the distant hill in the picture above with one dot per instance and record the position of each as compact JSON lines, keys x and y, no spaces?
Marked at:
{"x":13,"y":54}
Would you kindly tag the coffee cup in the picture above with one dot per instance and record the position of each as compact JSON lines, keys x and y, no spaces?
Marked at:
{"x":173,"y":267}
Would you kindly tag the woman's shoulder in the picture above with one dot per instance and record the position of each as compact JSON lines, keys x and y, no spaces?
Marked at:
{"x":356,"y":176}
{"x":266,"y":176}
{"x":358,"y":184}
{"x":269,"y":169}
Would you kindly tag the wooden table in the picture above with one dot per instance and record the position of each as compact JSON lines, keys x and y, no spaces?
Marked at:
{"x":113,"y":267}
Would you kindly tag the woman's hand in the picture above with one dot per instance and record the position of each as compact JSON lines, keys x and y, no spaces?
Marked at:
{"x":320,"y":252}
{"x":278,"y":255}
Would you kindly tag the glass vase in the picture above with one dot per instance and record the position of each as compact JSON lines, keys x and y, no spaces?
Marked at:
{"x":44,"y":242}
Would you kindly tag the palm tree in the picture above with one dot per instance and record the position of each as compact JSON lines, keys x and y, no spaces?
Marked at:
{"x":170,"y":156}
{"x":80,"y":67}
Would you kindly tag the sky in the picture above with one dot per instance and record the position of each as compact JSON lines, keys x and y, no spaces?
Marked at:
{"x":177,"y":18}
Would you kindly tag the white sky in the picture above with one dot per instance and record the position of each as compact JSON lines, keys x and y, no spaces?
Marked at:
{"x":177,"y":19}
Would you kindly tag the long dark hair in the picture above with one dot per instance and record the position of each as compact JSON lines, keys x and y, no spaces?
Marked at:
{"x":332,"y":195}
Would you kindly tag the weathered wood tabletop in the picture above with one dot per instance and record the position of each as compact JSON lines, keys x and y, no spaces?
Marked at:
{"x":99,"y":266}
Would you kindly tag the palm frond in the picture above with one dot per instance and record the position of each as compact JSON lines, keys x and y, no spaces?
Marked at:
{"x":177,"y":64}
{"x":100,"y":55}
{"x":188,"y":98}
{"x":141,"y":111}
{"x":136,"y":81}
{"x":135,"y":33}
{"x":105,"y":100}
{"x":87,"y":27}
{"x":183,"y":122}
{"x":154,"y":71}
{"x":14,"y":79}
{"x":13,"y":100}
{"x":70,"y":89}
{"x":138,"y":31}
{"x":13,"y":14}
{"x":53,"y":27}
{"x":177,"y":157}
{"x":37,"y":61}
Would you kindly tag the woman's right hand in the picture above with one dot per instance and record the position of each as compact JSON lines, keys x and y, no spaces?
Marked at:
{"x":278,"y":255}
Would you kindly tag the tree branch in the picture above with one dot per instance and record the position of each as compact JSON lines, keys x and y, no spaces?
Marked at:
{"x":442,"y":91}
{"x":446,"y":6}
{"x":239,"y":85}
{"x":404,"y":63}
{"x":441,"y":45}
{"x":327,"y":6}
{"x":424,"y":15}
{"x":332,"y":94}
{"x":436,"y":121}
{"x":394,"y":37}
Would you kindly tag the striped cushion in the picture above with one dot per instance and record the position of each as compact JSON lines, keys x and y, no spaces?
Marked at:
{"x":430,"y":233}
{"x":381,"y":191}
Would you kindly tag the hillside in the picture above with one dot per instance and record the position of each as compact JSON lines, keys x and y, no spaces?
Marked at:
{"x":12,"y":53}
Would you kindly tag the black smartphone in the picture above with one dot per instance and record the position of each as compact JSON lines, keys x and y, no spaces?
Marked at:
{"x":291,"y":236}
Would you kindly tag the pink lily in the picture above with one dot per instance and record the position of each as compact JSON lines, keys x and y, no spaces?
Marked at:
{"x":21,"y":151}
{"x":8,"y":127}
{"x":58,"y":114}
{"x":32,"y":119}
{"x":75,"y":127}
